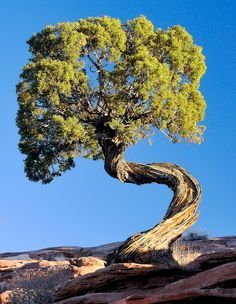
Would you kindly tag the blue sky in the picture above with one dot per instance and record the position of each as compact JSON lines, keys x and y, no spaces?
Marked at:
{"x":86,"y":207}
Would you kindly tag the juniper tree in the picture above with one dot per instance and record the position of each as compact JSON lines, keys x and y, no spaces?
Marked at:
{"x":94,"y":87}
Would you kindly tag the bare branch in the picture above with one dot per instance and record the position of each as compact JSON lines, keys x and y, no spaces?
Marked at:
{"x":93,"y":62}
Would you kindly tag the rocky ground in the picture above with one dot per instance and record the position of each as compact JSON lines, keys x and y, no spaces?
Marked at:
{"x":78,"y":275}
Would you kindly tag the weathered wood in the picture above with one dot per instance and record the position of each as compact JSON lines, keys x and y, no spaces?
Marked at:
{"x":153,"y":245}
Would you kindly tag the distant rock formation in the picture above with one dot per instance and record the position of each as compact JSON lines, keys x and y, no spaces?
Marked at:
{"x":61,"y":253}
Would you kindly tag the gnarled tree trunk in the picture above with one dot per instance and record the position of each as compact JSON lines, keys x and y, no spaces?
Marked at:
{"x":153,"y":245}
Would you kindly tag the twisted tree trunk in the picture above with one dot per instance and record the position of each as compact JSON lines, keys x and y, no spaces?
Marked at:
{"x":153,"y":245}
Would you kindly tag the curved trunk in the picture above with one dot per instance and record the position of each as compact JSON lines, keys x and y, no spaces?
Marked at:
{"x":153,"y":245}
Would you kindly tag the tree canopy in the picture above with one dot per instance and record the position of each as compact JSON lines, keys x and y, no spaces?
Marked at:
{"x":98,"y":73}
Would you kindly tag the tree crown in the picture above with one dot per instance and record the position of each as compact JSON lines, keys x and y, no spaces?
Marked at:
{"x":98,"y":74}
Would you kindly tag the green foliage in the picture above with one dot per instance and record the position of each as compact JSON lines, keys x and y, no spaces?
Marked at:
{"x":99,"y":74}
{"x":195,"y":236}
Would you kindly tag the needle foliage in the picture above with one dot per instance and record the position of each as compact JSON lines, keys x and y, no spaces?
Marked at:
{"x":130,"y":78}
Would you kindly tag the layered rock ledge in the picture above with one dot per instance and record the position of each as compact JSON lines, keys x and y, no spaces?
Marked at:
{"x":210,"y":278}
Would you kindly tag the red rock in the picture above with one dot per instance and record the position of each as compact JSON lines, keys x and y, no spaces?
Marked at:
{"x":200,"y":285}
{"x":9,"y":264}
{"x":87,"y":264}
{"x":4,"y":297}
{"x":210,"y":260}
{"x":96,"y":298}
{"x":119,"y":277}
{"x":211,"y":283}
{"x":212,"y":276}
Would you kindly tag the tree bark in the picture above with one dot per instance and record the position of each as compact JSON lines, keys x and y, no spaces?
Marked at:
{"x":153,"y":245}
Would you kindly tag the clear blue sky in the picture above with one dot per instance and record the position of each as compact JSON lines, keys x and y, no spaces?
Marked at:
{"x":87,"y":207}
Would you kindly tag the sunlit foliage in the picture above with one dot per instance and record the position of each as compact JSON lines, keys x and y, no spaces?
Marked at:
{"x":97,"y":73}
